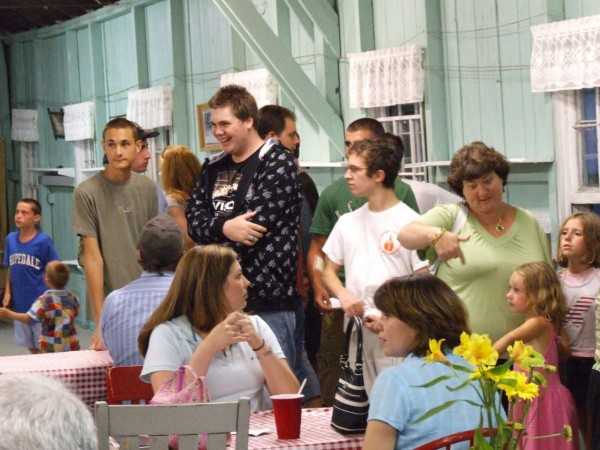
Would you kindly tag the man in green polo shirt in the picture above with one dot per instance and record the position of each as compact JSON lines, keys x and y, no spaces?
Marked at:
{"x":335,"y":201}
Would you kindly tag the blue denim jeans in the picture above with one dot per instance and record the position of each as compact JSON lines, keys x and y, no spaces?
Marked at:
{"x":302,"y":367}
{"x":283,"y":324}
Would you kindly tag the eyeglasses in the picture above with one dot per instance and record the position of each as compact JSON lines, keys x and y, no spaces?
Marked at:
{"x":352,"y":168}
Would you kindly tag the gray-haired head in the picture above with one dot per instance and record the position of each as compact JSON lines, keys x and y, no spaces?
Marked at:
{"x":38,"y":411}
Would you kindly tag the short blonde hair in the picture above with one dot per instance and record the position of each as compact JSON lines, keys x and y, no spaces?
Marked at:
{"x":545,"y":296}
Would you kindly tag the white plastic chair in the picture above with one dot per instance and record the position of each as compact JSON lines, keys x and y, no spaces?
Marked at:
{"x":159,"y":421}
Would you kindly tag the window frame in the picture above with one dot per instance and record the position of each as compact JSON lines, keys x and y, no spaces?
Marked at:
{"x":568,"y":145}
{"x":86,"y":158}
{"x":416,"y":169}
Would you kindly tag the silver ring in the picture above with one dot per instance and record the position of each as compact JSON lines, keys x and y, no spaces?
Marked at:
{"x":252,"y":239}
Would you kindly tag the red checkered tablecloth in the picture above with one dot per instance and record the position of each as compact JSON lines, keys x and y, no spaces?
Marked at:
{"x":315,"y":433}
{"x":82,"y":371}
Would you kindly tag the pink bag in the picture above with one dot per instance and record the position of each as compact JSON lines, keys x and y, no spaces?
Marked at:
{"x":175,"y":391}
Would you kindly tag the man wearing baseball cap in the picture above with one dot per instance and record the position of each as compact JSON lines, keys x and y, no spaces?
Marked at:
{"x":140,"y":165}
{"x":125,"y":310}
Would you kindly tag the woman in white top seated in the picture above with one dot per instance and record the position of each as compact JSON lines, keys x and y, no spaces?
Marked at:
{"x":201,"y":323}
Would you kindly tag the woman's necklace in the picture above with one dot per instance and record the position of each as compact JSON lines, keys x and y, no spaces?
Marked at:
{"x":499,"y":227}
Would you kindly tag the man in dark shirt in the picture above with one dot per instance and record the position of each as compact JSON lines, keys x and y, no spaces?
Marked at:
{"x":275,"y":121}
{"x":248,"y":197}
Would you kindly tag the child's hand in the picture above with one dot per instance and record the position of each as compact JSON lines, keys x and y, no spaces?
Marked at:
{"x":3,"y":312}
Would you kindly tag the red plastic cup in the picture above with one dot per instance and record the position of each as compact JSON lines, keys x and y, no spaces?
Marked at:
{"x":288,"y":414}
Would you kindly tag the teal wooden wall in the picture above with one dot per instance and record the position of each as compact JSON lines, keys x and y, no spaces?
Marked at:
{"x":476,"y":61}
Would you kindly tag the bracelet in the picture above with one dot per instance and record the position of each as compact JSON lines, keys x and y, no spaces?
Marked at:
{"x":259,"y":347}
{"x":437,"y":236}
{"x":267,"y":353}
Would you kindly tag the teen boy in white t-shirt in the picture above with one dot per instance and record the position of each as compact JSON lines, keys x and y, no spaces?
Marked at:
{"x":364,"y":243}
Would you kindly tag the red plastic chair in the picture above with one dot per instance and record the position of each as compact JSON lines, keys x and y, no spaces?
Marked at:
{"x":123,"y":385}
{"x":447,"y":441}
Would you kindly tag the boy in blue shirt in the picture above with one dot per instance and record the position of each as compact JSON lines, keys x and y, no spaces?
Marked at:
{"x":27,"y":252}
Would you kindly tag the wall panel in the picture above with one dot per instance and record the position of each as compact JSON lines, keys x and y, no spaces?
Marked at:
{"x":450,"y":68}
{"x":580,"y":8}
{"x":52,"y":92}
{"x":159,"y":44}
{"x":487,"y":49}
{"x":208,"y":56}
{"x":398,"y":23}
{"x":119,"y":61}
{"x":513,"y":25}
{"x":85,"y":65}
{"x":469,"y":74}
{"x":22,"y":75}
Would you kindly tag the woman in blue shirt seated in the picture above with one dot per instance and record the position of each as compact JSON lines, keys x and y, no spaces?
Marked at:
{"x":200,"y":322}
{"x":415,"y":309}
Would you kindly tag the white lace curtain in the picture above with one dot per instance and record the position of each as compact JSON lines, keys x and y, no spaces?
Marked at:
{"x":386,"y":77}
{"x":566,"y":55}
{"x":259,"y":83}
{"x":151,"y":108}
{"x":79,"y":121}
{"x":24,"y":125}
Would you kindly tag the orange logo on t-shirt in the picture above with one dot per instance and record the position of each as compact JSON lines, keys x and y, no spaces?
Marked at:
{"x":388,"y":242}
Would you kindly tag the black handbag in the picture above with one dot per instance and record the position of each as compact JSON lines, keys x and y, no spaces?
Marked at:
{"x":351,"y":403}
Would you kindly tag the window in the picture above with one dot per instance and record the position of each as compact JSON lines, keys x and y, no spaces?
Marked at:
{"x":587,"y":125}
{"x":406,"y":121}
{"x":577,"y":126}
{"x":86,"y":163}
{"x":85,"y":154}
{"x":583,"y":208}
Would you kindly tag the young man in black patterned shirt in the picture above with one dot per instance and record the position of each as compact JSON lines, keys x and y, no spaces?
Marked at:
{"x":248,"y":197}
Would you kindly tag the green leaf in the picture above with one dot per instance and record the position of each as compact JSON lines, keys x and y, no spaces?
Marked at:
{"x":435,"y":381}
{"x":539,"y":379}
{"x":460,"y":386}
{"x":504,"y":433}
{"x":471,"y":402}
{"x":462,"y":368}
{"x":510,"y":382}
{"x":500,"y":370}
{"x":481,"y":442}
{"x":436,"y":410}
